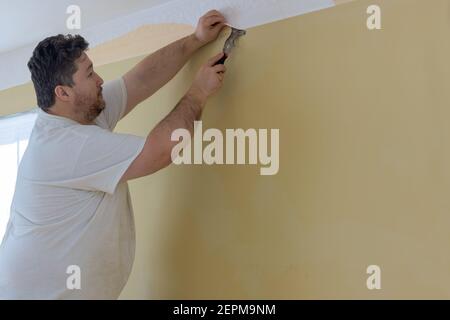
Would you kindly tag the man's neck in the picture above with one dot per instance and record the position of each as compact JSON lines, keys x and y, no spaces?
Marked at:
{"x":73,"y":117}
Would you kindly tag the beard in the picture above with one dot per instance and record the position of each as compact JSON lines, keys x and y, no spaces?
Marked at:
{"x":89,"y":108}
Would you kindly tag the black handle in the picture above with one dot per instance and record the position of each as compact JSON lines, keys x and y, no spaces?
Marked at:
{"x":222,"y":60}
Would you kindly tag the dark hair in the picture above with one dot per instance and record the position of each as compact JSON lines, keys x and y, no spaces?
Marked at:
{"x":53,"y":64}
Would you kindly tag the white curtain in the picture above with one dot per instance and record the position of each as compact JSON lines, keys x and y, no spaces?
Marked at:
{"x":15,"y":131}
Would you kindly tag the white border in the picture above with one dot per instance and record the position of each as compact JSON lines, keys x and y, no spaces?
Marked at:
{"x":239,"y":13}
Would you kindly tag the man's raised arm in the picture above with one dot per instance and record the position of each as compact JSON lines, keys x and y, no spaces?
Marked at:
{"x":156,"y":153}
{"x":153,"y":72}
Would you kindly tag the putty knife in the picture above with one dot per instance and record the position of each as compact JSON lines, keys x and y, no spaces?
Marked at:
{"x":230,"y":43}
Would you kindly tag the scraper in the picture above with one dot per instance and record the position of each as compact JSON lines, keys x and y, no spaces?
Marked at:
{"x":230,"y":43}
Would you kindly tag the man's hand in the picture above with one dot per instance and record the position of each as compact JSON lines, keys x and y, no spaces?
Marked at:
{"x":209,"y":80}
{"x":209,"y":26}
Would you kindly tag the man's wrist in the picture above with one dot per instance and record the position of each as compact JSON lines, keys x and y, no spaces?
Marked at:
{"x":192,"y":44}
{"x":197,"y":96}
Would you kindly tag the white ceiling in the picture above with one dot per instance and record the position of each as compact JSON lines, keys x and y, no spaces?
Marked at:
{"x":25,"y":21}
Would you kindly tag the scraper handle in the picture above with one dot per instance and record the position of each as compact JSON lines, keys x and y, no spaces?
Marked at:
{"x":222,"y":60}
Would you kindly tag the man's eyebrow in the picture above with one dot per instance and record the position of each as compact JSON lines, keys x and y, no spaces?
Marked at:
{"x":90,"y":67}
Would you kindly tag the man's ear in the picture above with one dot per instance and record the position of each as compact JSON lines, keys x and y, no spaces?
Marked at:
{"x":62,"y":93}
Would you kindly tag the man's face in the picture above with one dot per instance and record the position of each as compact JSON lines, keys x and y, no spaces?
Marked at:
{"x":88,"y":99}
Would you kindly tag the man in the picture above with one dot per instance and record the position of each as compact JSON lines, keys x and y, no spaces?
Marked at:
{"x":71,"y":214}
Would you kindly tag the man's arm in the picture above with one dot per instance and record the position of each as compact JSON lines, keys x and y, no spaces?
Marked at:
{"x":152,"y":73}
{"x":157,"y":150}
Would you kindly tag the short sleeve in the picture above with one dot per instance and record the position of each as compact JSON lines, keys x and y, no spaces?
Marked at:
{"x":103,"y":159}
{"x":115,"y":96}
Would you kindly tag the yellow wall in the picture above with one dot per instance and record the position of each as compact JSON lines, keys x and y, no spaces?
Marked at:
{"x":364,"y":165}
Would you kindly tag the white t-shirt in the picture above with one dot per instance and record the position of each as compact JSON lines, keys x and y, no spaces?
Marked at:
{"x":69,"y":213}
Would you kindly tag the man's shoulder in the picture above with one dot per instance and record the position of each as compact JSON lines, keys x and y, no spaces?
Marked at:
{"x":52,"y":147}
{"x":47,"y":133}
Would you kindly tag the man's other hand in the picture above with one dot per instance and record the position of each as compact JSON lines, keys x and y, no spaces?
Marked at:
{"x":209,"y":79}
{"x":209,"y":26}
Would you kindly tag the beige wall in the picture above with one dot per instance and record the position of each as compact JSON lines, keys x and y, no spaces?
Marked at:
{"x":364,"y":165}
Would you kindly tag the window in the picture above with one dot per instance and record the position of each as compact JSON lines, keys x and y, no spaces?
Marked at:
{"x":15,"y":131}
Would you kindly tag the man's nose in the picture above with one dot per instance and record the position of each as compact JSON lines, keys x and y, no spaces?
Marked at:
{"x":99,"y":80}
